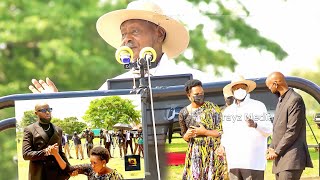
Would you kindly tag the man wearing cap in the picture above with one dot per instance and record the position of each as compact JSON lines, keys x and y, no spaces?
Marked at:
{"x":141,"y":24}
{"x":246,"y":127}
{"x":288,"y":149}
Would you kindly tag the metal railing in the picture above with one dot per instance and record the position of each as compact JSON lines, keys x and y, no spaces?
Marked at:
{"x":214,"y":90}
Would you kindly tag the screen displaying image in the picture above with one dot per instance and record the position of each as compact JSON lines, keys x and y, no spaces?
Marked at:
{"x":85,"y":136}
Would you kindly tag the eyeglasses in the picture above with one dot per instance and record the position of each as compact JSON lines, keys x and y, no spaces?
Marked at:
{"x":45,"y":110}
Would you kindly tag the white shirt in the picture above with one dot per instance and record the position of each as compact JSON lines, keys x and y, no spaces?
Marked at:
{"x":245,"y":146}
{"x":128,"y":136}
{"x":107,"y":137}
{"x":167,"y":67}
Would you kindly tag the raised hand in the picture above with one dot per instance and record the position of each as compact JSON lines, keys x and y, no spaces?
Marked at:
{"x":42,"y":86}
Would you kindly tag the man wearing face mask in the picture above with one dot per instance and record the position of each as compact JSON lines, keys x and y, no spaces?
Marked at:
{"x":201,"y":127}
{"x":246,"y":127}
{"x":39,"y":139}
{"x":288,"y":148}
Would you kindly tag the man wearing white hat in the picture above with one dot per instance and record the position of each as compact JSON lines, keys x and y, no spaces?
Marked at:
{"x":246,"y":127}
{"x":141,"y":24}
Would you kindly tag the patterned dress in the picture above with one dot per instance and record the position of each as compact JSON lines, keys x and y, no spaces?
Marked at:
{"x":87,"y":170}
{"x":201,"y":161}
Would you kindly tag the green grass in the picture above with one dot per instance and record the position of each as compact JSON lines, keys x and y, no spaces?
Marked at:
{"x":114,"y":163}
{"x":179,"y":145}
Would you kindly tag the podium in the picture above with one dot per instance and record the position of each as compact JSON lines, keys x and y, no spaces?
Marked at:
{"x":165,"y":100}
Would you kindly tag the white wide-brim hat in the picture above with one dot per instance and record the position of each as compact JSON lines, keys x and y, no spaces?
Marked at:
{"x":177,"y":36}
{"x":239,"y":79}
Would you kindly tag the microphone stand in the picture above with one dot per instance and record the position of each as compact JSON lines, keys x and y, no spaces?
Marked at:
{"x":142,"y":64}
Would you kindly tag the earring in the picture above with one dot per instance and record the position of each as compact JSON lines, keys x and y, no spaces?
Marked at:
{"x":104,"y":165}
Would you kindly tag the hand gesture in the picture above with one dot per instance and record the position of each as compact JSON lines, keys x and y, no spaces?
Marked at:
{"x":189,"y":134}
{"x":52,"y":149}
{"x":271,"y":154}
{"x":251,"y":123}
{"x":199,"y":130}
{"x":74,"y":173}
{"x":42,"y":87}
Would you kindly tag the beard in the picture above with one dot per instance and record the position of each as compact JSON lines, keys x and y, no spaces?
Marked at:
{"x":277,"y":93}
{"x":45,"y":121}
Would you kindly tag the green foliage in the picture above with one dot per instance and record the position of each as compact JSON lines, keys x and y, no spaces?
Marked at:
{"x":8,"y":153}
{"x":229,"y":27}
{"x":69,"y":124}
{"x":58,"y":39}
{"x":28,"y":118}
{"x":54,"y":39}
{"x":106,"y":112}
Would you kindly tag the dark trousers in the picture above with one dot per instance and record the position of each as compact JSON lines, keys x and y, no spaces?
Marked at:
{"x":128,"y":142}
{"x":89,"y":147}
{"x":107,"y":146}
{"x":289,"y":175}
{"x":246,"y":174}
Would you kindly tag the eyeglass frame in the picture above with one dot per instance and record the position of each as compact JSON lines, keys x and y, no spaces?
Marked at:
{"x":45,"y":110}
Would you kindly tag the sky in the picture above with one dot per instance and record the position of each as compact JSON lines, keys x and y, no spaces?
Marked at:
{"x":294,"y":25}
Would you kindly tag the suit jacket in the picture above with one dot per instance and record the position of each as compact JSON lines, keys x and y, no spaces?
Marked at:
{"x":289,"y":134}
{"x":35,"y":140}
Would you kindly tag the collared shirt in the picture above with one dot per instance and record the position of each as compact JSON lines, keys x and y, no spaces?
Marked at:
{"x":246,"y":146}
{"x":167,"y":67}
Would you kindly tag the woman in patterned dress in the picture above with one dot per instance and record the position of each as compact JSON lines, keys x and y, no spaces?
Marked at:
{"x":97,"y":170}
{"x":201,"y":127}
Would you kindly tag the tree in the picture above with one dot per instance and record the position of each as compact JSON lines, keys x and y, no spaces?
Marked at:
{"x":28,"y":118}
{"x":40,"y":39}
{"x":8,"y":156}
{"x":69,"y":124}
{"x":106,"y":112}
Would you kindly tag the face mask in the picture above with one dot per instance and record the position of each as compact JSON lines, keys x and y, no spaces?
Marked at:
{"x":229,"y":100}
{"x":45,"y":121}
{"x":240,"y":94}
{"x":198,"y":99}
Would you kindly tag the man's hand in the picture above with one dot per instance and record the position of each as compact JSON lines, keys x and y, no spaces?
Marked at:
{"x":271,"y":154}
{"x":199,"y":130}
{"x":42,"y":87}
{"x":251,"y":123}
{"x":52,"y":149}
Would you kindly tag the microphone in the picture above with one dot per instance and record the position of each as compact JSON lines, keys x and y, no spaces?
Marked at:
{"x":148,"y":53}
{"x":124,"y":55}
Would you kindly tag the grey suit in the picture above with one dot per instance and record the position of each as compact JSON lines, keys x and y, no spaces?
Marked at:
{"x":35,"y":140}
{"x":289,"y":134}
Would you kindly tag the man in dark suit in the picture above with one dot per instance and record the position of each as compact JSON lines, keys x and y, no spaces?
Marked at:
{"x":288,"y":148}
{"x":38,"y":140}
{"x":107,"y":141}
